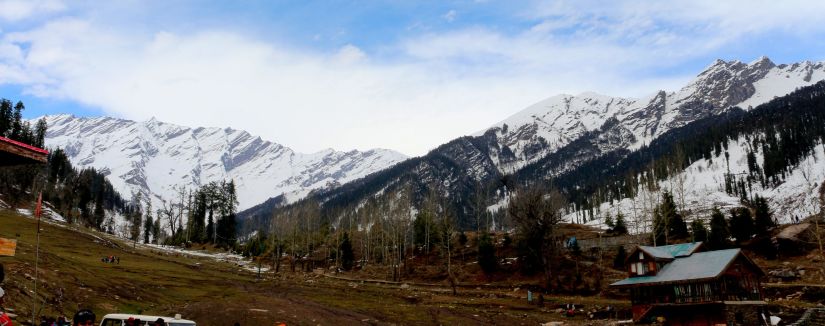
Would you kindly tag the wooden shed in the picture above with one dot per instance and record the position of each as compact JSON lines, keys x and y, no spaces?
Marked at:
{"x":683,"y":285}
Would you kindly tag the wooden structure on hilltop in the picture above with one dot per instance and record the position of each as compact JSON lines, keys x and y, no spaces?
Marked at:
{"x":13,"y":152}
{"x":684,"y":285}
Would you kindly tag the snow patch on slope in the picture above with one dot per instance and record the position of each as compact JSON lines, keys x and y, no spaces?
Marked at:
{"x":704,"y":188}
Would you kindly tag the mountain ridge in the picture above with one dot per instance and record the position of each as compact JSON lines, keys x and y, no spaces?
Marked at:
{"x":579,"y":129}
{"x":154,"y":157}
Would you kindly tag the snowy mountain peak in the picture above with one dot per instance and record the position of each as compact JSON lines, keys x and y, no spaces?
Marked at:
{"x":154,"y":158}
{"x":543,"y":127}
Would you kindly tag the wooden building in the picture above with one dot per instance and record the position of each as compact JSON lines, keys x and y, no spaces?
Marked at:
{"x":684,"y":285}
{"x":16,"y":153}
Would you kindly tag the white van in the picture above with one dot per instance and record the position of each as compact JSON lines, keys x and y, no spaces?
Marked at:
{"x":120,"y":320}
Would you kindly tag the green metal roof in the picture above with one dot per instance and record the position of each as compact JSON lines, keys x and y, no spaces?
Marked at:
{"x":700,"y":265}
{"x":672,"y":251}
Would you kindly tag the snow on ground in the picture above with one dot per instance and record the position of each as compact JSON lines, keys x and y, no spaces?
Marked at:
{"x":242,"y":262}
{"x":701,"y":187}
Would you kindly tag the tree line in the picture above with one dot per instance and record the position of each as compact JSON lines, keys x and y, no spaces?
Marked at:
{"x":205,"y":215}
{"x":13,"y":126}
{"x":81,"y":196}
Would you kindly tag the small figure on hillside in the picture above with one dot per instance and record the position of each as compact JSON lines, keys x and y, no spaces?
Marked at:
{"x":159,"y":322}
{"x":5,"y":320}
{"x":84,"y":317}
{"x":118,"y":260}
{"x":571,"y":310}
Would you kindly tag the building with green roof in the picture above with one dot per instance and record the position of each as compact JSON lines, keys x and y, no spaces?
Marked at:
{"x":684,"y":285}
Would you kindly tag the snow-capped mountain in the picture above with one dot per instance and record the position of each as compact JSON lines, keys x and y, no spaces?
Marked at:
{"x":546,"y":126}
{"x":562,"y":133}
{"x":156,"y":159}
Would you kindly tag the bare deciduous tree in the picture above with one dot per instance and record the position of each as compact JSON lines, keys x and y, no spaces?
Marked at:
{"x":536,"y":211}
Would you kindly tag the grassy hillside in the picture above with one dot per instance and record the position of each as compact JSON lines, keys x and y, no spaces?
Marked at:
{"x":219,"y":293}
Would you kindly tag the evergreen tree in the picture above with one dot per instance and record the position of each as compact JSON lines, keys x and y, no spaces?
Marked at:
{"x":620,"y":228}
{"x":17,"y":121}
{"x":608,"y":221}
{"x":156,"y":230}
{"x":425,"y":230}
{"x":40,"y":133}
{"x":668,"y":223}
{"x":134,"y":228}
{"x":621,"y":256}
{"x":347,"y":254}
{"x":763,"y":217}
{"x":210,"y":229}
{"x":487,"y":254}
{"x":226,"y":231}
{"x":99,"y":213}
{"x":698,"y":230}
{"x":5,"y":117}
{"x":741,"y":224}
{"x":719,"y":233}
{"x":198,"y":232}
{"x":148,"y":223}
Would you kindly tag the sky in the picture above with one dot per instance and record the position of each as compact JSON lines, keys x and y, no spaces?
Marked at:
{"x":402,"y":75}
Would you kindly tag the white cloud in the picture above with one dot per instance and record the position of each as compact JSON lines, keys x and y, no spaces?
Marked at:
{"x":15,"y":10}
{"x":435,"y":87}
{"x":450,"y":15}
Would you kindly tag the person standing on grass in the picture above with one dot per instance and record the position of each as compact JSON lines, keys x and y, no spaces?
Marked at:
{"x":4,"y":318}
{"x":84,"y":317}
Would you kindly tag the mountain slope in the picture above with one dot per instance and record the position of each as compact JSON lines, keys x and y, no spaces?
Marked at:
{"x":549,"y":125}
{"x":774,"y":151}
{"x":561,"y":134}
{"x":155,"y":159}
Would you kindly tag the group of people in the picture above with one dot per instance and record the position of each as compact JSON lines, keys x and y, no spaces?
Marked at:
{"x":51,"y":321}
{"x":111,"y":260}
{"x":84,"y":317}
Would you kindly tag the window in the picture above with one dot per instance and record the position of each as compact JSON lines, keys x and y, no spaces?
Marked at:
{"x":633,"y":268}
{"x":110,"y":322}
{"x":640,"y":268}
{"x":641,"y":256}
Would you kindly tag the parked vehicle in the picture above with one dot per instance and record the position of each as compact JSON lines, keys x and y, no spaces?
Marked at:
{"x":145,"y":320}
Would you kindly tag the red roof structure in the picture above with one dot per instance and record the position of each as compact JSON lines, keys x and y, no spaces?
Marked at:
{"x":13,"y":152}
